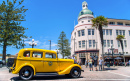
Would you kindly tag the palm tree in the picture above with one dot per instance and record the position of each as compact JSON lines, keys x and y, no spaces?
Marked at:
{"x":119,"y":38}
{"x":99,"y":22}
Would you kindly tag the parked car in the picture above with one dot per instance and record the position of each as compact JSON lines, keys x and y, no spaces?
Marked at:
{"x":30,"y":62}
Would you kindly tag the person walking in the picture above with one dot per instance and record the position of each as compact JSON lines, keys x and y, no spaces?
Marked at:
{"x":90,"y":64}
{"x":86,"y":63}
{"x":95,"y":63}
{"x":100,"y":63}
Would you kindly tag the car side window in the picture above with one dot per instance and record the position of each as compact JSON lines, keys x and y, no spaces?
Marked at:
{"x":37,"y":54}
{"x":26,"y":54}
{"x":50,"y":55}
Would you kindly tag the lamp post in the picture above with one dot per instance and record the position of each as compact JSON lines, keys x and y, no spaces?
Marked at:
{"x":33,"y":43}
{"x":112,"y":53}
{"x":57,"y":52}
{"x":50,"y":44}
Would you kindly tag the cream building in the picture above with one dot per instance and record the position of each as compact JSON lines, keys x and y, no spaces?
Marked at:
{"x":85,"y":39}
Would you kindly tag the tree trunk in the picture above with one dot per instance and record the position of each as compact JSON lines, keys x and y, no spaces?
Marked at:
{"x":101,"y":37}
{"x":4,"y":52}
{"x":123,"y":51}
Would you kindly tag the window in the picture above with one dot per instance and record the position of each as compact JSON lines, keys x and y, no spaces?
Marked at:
{"x":106,"y":32}
{"x":89,"y":31}
{"x":82,"y":13}
{"x":118,"y":43}
{"x":104,"y":41}
{"x":129,"y":33}
{"x":108,"y":43}
{"x":119,"y":23}
{"x":79,"y":44}
{"x":50,"y":55}
{"x":112,"y":23}
{"x":116,"y":32}
{"x":110,"y":32}
{"x":126,"y":52}
{"x":83,"y":44}
{"x":26,"y":54}
{"x":88,"y":20}
{"x":93,"y":43}
{"x":79,"y":33}
{"x":82,"y":21}
{"x":127,"y":24}
{"x":83,"y":5}
{"x":90,"y":43}
{"x":125,"y":43}
{"x":92,"y":31}
{"x":111,"y":42}
{"x":37,"y":54}
{"x":82,"y":55}
{"x":120,"y":32}
{"x":124,"y":32}
{"x":75,"y":34}
{"x":82,"y":31}
{"x":103,"y":31}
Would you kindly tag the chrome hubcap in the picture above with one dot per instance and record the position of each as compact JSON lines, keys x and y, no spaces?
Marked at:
{"x":26,"y":73}
{"x":76,"y":72}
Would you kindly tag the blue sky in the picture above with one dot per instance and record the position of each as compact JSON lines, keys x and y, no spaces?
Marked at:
{"x":45,"y":19}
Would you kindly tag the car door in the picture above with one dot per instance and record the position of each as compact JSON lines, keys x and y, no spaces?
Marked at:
{"x":37,"y":60}
{"x":50,"y":62}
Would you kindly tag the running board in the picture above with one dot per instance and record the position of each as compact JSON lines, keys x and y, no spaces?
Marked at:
{"x":46,"y":73}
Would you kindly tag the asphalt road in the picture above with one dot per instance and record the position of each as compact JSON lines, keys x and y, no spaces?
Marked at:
{"x":113,"y":73}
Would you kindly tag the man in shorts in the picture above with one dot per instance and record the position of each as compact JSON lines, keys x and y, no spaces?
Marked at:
{"x":95,"y":63}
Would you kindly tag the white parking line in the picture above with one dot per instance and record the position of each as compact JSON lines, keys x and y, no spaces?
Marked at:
{"x":119,"y":74}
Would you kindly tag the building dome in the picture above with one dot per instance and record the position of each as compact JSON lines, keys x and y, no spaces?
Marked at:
{"x":85,"y":11}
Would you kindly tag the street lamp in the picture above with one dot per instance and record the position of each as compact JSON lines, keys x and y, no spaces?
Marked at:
{"x":33,"y":43}
{"x":57,"y":52}
{"x":50,"y":44}
{"x":112,"y":53}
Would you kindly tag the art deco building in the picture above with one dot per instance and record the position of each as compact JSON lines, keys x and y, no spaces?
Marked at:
{"x":85,"y":39}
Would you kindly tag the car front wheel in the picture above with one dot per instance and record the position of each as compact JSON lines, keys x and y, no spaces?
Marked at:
{"x":26,"y":73}
{"x":75,"y":72}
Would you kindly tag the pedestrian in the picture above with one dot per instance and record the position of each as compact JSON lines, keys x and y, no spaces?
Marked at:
{"x":129,"y":62}
{"x":90,"y":64}
{"x":100,"y":63}
{"x":95,"y":63}
{"x":86,"y":63}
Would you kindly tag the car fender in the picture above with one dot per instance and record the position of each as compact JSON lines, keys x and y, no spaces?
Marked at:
{"x":23,"y":65}
{"x":68,"y":69}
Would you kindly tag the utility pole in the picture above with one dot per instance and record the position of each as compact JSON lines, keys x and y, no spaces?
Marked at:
{"x":50,"y":44}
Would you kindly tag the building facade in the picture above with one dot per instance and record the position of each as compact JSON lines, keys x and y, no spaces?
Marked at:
{"x":85,"y":39}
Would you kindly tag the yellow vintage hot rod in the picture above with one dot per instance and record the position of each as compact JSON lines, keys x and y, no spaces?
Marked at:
{"x":30,"y":62}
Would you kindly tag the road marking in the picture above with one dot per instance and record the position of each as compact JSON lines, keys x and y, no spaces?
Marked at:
{"x":118,"y":74}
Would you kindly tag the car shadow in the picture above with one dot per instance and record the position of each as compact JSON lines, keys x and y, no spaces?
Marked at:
{"x":110,"y":69}
{"x":45,"y":77}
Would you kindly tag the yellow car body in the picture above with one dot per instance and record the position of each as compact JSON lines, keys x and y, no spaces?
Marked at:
{"x":42,"y":61}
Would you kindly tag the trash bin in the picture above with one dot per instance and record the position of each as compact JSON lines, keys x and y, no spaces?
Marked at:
{"x":108,"y":64}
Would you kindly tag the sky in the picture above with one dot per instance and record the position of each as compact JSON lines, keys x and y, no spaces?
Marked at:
{"x":46,"y":19}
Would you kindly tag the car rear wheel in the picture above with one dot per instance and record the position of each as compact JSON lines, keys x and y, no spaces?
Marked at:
{"x":75,"y":72}
{"x":26,"y":73}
